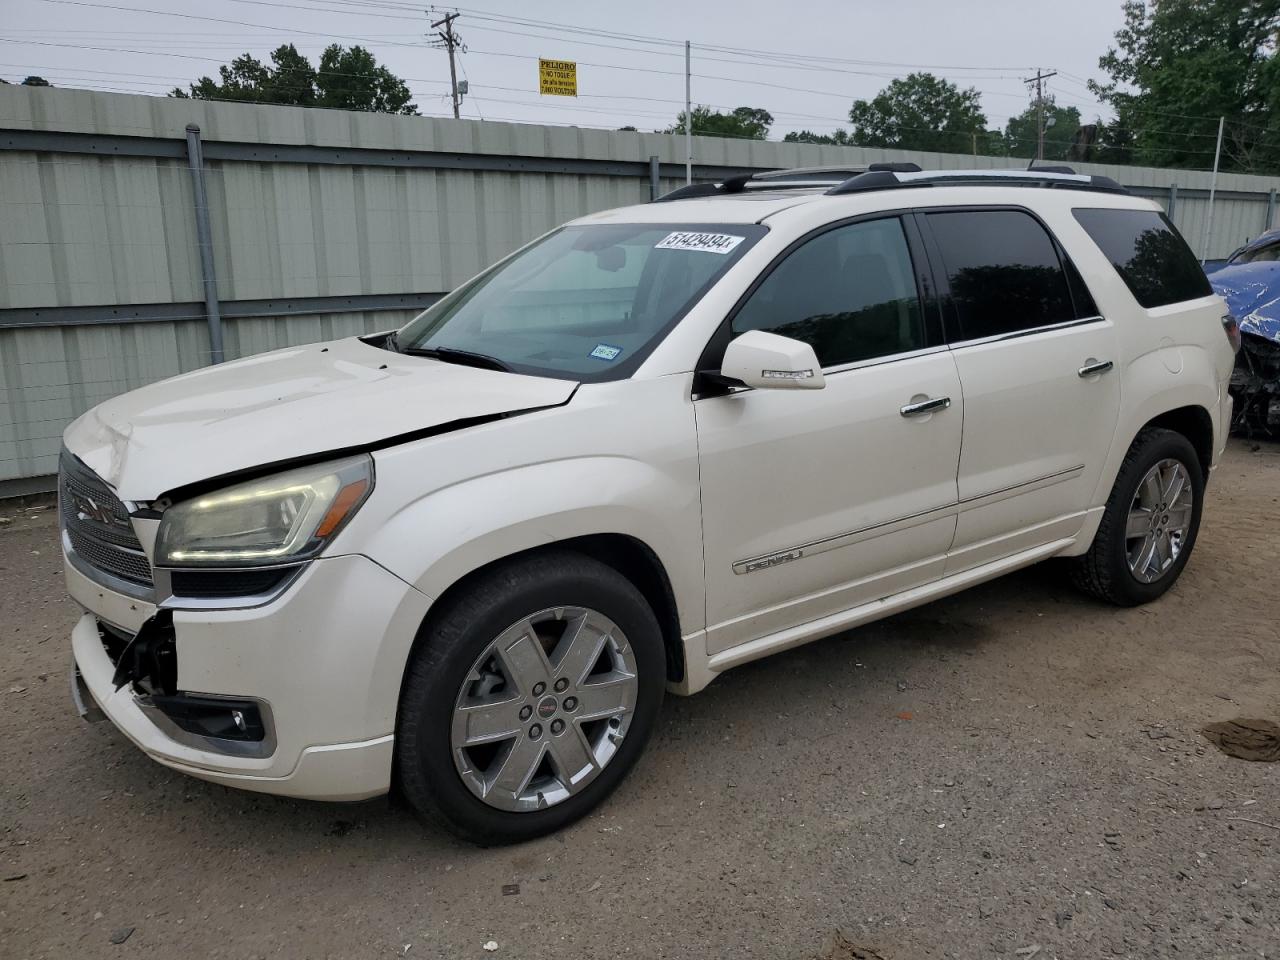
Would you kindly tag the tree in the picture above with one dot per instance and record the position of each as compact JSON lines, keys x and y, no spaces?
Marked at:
{"x":36,"y":82}
{"x":1178,"y":65}
{"x":747,"y":123}
{"x":919,"y":112}
{"x":347,"y":79}
{"x":990,"y":143}
{"x":837,"y":137}
{"x":353,"y":80}
{"x":1020,"y":132}
{"x":1114,"y":144}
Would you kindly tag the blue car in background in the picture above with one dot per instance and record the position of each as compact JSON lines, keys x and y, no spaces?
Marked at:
{"x":1250,"y":283}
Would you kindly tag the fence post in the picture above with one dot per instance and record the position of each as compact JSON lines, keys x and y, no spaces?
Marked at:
{"x":1173,"y":199}
{"x":1271,"y":210}
{"x":204,"y":239}
{"x":654,"y":188}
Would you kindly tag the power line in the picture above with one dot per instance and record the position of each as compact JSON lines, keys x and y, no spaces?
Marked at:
{"x":795,"y":60}
{"x":612,"y":66}
{"x":410,"y":12}
{"x":462,"y":63}
{"x":627,"y":112}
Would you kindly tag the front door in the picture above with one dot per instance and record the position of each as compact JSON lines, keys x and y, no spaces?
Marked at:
{"x":815,"y":501}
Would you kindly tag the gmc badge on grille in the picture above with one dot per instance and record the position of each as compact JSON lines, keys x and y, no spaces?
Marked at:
{"x":88,"y":509}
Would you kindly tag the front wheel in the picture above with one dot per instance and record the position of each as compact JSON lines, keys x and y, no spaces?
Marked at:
{"x":530,"y":696}
{"x":1150,"y":523}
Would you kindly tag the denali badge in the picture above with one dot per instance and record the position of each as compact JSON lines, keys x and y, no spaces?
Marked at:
{"x":763,"y":563}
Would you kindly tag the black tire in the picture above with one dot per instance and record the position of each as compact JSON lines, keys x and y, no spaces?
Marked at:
{"x":449,"y":643}
{"x":1104,"y":571}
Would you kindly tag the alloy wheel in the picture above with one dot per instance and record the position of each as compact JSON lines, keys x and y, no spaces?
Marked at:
{"x":544,"y":709}
{"x":1159,"y":519}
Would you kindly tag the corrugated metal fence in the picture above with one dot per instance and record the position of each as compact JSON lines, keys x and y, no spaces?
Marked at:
{"x":323,"y":224}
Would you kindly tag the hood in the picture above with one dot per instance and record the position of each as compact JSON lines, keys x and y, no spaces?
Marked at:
{"x":1252,"y":292}
{"x":287,"y":404}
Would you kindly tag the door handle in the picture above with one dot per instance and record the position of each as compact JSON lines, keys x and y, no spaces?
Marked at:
{"x":926,"y":406}
{"x":1092,"y":366}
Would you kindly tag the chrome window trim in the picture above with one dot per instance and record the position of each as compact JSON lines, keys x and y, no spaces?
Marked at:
{"x":1028,"y":332}
{"x":836,"y":541}
{"x":838,"y":368}
{"x":887,"y":358}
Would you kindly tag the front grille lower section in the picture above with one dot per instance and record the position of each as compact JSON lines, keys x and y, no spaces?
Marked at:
{"x":97,"y":524}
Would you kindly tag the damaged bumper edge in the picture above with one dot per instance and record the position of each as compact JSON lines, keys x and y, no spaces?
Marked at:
{"x":86,"y":706}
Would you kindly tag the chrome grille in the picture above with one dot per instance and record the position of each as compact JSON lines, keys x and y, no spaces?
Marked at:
{"x":97,"y":524}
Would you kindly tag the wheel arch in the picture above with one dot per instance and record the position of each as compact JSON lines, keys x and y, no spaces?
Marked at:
{"x":1188,"y":416}
{"x":629,"y":556}
{"x":1195,"y":423}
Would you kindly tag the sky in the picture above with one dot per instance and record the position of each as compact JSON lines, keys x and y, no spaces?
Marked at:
{"x":804,"y":65}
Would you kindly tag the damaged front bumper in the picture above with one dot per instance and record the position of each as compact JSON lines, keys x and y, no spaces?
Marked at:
{"x":296,"y":697}
{"x":1255,"y":387}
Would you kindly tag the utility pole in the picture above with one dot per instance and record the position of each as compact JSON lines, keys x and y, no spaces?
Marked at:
{"x":451,"y":41}
{"x":688,"y":118}
{"x":1038,"y":80}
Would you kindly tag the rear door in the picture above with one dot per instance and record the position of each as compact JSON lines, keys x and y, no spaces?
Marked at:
{"x":1041,"y":394}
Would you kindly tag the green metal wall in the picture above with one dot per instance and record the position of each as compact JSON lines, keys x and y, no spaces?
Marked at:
{"x":94,"y":227}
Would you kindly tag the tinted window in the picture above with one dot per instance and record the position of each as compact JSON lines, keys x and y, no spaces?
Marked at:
{"x":850,"y":293}
{"x":1149,"y":254}
{"x":1080,"y":295}
{"x":1004,"y":271}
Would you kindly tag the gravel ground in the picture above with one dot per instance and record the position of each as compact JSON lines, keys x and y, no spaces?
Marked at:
{"x":1013,"y":772}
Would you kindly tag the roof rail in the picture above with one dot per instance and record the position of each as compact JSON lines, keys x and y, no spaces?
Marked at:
{"x":897,"y":166}
{"x":794,"y":178}
{"x":1058,"y":178}
{"x":833,"y":174}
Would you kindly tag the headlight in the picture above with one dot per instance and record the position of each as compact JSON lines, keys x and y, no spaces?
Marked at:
{"x":277,"y":519}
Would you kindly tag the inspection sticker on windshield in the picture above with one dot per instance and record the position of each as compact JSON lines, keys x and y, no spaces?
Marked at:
{"x":605,"y":352}
{"x":707,"y":242}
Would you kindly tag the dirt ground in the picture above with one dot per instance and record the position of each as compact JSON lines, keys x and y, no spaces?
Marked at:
{"x":1014,"y":772}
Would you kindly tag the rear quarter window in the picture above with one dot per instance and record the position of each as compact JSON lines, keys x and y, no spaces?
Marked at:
{"x":1149,"y":254}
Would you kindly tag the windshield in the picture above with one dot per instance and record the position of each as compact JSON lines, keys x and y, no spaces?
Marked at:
{"x":586,"y":302}
{"x":1265,"y":254}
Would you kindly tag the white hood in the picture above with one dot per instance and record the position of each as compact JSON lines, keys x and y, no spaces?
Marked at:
{"x":287,"y":404}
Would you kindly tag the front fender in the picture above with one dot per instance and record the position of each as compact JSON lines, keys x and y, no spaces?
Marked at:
{"x":435,"y":541}
{"x":619,"y":458}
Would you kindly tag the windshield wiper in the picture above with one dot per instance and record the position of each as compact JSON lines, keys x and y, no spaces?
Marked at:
{"x":454,"y":355}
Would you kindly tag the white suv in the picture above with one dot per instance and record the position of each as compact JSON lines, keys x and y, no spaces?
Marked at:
{"x":469,"y":556}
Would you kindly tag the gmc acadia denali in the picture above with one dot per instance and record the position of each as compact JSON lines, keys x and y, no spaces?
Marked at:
{"x":468,"y":557}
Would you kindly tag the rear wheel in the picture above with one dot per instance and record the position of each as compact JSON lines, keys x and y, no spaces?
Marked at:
{"x":1150,"y":523}
{"x":529,"y":698}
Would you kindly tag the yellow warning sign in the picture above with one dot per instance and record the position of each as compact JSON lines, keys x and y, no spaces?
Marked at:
{"x":557,"y":78}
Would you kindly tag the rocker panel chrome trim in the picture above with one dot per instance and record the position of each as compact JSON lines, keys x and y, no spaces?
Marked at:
{"x":862,"y":534}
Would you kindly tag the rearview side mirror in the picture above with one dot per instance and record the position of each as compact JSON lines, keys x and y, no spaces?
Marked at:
{"x":770,"y":362}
